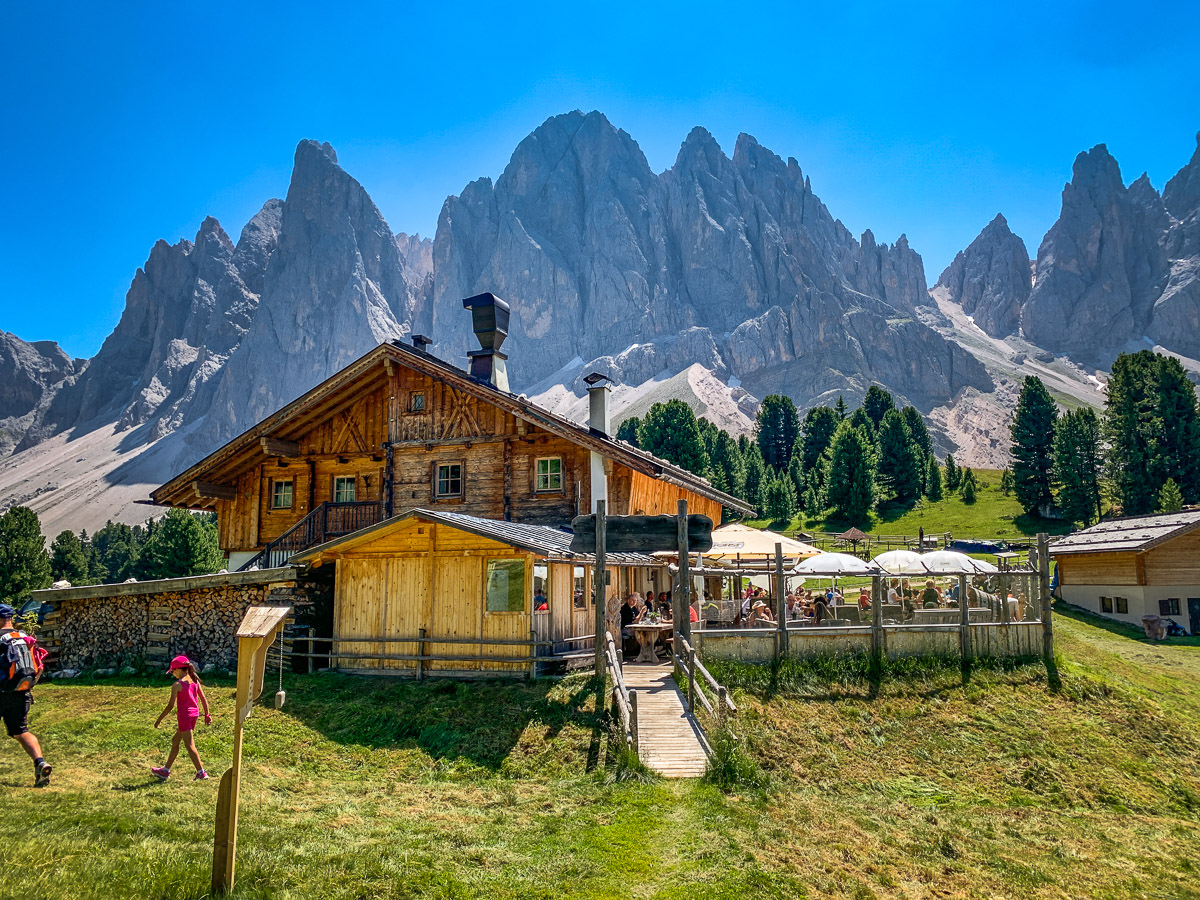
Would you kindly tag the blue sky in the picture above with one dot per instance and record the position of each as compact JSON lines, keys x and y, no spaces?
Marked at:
{"x":128,"y":123}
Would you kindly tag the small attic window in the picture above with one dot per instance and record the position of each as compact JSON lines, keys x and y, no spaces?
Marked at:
{"x":416,"y":401}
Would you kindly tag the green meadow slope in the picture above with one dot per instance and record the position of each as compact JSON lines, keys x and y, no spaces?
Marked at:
{"x":920,"y":784}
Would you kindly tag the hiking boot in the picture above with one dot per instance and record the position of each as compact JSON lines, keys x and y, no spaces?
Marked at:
{"x":162,"y":773}
{"x":41,"y":773}
{"x":201,"y":776}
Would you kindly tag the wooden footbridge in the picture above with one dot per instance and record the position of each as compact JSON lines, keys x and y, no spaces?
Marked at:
{"x":656,"y":716}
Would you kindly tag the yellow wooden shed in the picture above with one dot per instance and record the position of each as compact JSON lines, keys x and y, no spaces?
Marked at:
{"x":442,"y":593}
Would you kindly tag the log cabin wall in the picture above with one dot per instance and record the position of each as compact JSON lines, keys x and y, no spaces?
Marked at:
{"x":1098,"y":568}
{"x":1174,"y":562}
{"x":430,"y":425}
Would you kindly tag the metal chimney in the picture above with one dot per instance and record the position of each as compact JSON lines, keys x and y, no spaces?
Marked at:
{"x":421,"y":342}
{"x":598,"y":422}
{"x":489,"y":318}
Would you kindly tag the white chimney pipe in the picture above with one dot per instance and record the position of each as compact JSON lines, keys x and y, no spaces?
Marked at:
{"x":598,"y":422}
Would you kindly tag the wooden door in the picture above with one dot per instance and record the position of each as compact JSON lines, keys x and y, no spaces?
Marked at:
{"x":456,"y":610}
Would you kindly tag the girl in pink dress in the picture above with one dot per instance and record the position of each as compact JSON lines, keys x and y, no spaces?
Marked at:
{"x":187,"y":696}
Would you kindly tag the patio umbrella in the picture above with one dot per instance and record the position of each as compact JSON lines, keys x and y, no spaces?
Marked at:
{"x":830,"y":564}
{"x":901,"y":562}
{"x":735,"y":542}
{"x":951,"y":562}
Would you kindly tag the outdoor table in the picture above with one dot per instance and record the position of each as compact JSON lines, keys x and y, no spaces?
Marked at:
{"x":951,"y":615}
{"x":647,"y":634}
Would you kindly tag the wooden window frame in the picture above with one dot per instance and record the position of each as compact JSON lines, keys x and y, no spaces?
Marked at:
{"x":1106,"y":604}
{"x":416,"y":402}
{"x":524,"y":588}
{"x":562,"y":481}
{"x":1170,"y":606}
{"x":291,"y":483}
{"x":333,"y":493}
{"x":462,"y":481}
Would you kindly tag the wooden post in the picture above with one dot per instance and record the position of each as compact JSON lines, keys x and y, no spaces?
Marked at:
{"x":254,"y":636}
{"x":1043,"y":569}
{"x":877,"y":622}
{"x":421,"y":652}
{"x":633,"y":719}
{"x":964,"y":606}
{"x":533,"y":651}
{"x":691,"y":679}
{"x":1005,"y":578}
{"x":682,"y":607}
{"x":722,"y":693}
{"x":599,"y":594}
{"x":781,"y":646}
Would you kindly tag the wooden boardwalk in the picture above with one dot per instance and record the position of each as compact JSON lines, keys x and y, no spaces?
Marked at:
{"x":669,"y":740}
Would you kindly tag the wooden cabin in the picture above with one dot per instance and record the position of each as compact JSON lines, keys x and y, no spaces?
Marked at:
{"x":400,"y":429}
{"x":1141,"y":565}
{"x":447,"y":594}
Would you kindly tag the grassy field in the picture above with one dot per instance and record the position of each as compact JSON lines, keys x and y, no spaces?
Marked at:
{"x":919,"y":784}
{"x":994,"y":514}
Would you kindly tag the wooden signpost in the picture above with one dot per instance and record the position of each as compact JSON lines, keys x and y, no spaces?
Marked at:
{"x":254,"y":636}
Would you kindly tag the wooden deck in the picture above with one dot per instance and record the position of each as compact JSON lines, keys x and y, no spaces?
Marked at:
{"x":669,"y":740}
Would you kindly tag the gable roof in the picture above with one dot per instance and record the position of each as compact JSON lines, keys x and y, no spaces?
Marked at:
{"x":332,"y":394}
{"x":1131,"y":534}
{"x":554,"y":543}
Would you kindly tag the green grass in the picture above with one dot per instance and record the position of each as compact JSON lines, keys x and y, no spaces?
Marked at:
{"x":992,"y":515}
{"x":830,"y":783}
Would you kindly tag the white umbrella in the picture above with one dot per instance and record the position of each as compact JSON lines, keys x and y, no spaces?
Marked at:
{"x":951,"y":562}
{"x":736,"y":542}
{"x":836,"y":564}
{"x":901,"y":562}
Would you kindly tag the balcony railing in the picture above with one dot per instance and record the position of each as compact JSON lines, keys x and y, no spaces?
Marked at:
{"x":327,"y":521}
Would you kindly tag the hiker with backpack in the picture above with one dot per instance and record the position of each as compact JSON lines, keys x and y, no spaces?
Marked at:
{"x":21,"y":660}
{"x":186,"y":693}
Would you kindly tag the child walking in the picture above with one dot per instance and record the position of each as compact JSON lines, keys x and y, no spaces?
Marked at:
{"x":184,"y":695}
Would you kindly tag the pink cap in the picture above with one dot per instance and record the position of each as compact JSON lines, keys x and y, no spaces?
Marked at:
{"x":179,"y":662}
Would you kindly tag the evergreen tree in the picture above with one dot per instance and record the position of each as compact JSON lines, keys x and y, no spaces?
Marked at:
{"x":952,"y":474}
{"x":1033,"y":445}
{"x":68,"y":560}
{"x":1006,"y":482}
{"x":628,"y":430}
{"x":933,"y":480}
{"x":860,"y":419}
{"x":876,"y":405}
{"x":918,"y":430}
{"x":1170,"y":499}
{"x":1178,"y":443}
{"x":840,"y":408}
{"x":851,"y":486}
{"x":1077,"y":465}
{"x":820,"y":422}
{"x":755,"y":476}
{"x":117,"y":548}
{"x":811,"y":507}
{"x":795,"y":472}
{"x":776,"y":428}
{"x":968,"y":486}
{"x":899,"y":472}
{"x":182,"y":544}
{"x":670,"y":431}
{"x":24,"y":563}
{"x":708,"y":436}
{"x":727,"y":461}
{"x":779,"y":498}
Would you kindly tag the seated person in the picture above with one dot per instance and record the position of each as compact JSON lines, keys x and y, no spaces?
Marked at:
{"x":630,"y":615}
{"x":864,"y":600}
{"x":930,"y":598}
{"x":665,"y":613}
{"x":649,"y":603}
{"x":760,"y":615}
{"x":821,"y":610}
{"x":893,"y":595}
{"x":540,"y":603}
{"x":792,"y":607}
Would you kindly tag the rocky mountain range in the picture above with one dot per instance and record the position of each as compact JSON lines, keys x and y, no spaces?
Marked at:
{"x":722,"y":279}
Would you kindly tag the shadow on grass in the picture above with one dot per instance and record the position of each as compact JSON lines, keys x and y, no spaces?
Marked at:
{"x":1121,"y":629}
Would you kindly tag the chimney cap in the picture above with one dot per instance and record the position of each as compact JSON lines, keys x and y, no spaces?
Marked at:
{"x":420,"y":341}
{"x":594,"y":378}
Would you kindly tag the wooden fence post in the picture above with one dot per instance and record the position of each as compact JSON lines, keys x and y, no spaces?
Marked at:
{"x":781,"y":646}
{"x":964,"y":605}
{"x":691,"y":679}
{"x":722,"y":703}
{"x":877,"y":623}
{"x":633,"y":719}
{"x":681,"y":607}
{"x":421,"y":651}
{"x":1043,"y":568}
{"x":533,"y":649}
{"x":599,"y":592}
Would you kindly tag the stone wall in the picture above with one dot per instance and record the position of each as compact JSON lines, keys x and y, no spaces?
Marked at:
{"x":153,"y":621}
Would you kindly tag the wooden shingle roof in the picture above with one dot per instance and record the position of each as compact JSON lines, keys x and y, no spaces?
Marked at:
{"x":1131,"y":534}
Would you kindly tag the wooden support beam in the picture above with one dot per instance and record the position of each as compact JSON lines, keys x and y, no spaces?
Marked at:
{"x":210,"y":491}
{"x":277,"y":447}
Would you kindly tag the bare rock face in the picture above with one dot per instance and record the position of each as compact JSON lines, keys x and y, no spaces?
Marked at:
{"x":29,"y":372}
{"x":334,"y":287}
{"x":991,"y":279}
{"x":596,"y":253}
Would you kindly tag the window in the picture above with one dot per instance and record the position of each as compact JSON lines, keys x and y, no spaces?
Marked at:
{"x":343,"y":489}
{"x":579,"y":576}
{"x":541,"y":589}
{"x":548,"y":474}
{"x":448,"y":481}
{"x":506,"y":585}
{"x":1123,"y":605}
{"x":1168,"y":606}
{"x":416,"y":401}
{"x":1106,"y":604}
{"x":281,"y":493}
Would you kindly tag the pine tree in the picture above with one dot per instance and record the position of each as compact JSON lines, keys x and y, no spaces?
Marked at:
{"x":779,"y":498}
{"x":816,"y":434}
{"x":1006,"y":482}
{"x":1033,"y":445}
{"x":952,"y":474}
{"x":24,"y":563}
{"x":876,"y":404}
{"x":182,"y":544}
{"x":1170,"y":499}
{"x":670,"y":431}
{"x":899,"y":473}
{"x":726,"y":465}
{"x":1077,"y":465}
{"x":840,"y":408}
{"x":933,"y":480}
{"x":851,"y":485}
{"x":776,"y":428}
{"x":628,"y":430}
{"x":968,"y":486}
{"x":68,"y":561}
{"x":756,"y":475}
{"x":1178,"y":443}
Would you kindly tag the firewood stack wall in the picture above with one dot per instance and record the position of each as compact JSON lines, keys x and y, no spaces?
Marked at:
{"x":153,"y":628}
